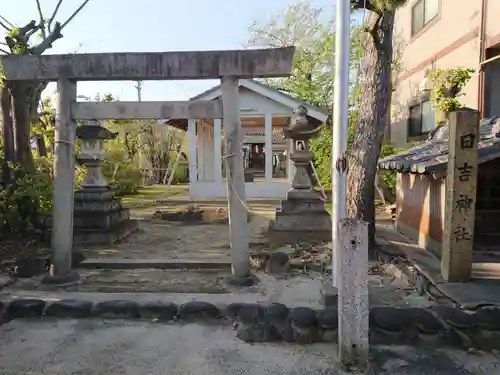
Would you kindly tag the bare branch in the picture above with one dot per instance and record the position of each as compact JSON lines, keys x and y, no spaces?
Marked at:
{"x":42,"y":21}
{"x":5,"y":26}
{"x":74,"y":13}
{"x":47,"y":42}
{"x":4,"y":51}
{"x":30,"y":33}
{"x":27,"y":28}
{"x":6,"y":21}
{"x":49,"y":24}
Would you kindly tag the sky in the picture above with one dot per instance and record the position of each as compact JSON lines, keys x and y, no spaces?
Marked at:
{"x":151,"y":26}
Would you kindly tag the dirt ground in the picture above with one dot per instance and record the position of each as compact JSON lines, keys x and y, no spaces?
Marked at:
{"x":169,"y":240}
{"x":160,"y":239}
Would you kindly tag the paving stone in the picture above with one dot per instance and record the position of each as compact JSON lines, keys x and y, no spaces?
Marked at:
{"x":26,"y":308}
{"x":278,"y":324}
{"x":488,"y":318}
{"x":278,"y":263}
{"x":456,"y":317}
{"x":3,"y":312}
{"x":276,"y":311}
{"x":328,"y":319}
{"x":424,"y":320}
{"x":390,"y":319}
{"x":198,"y":309}
{"x":159,"y":310}
{"x":251,"y":313}
{"x":69,"y":308}
{"x":233,"y":309}
{"x":303,"y":317}
{"x":329,"y":295}
{"x":117,"y":309}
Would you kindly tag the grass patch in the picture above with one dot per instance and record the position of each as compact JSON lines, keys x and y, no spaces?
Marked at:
{"x":148,"y":195}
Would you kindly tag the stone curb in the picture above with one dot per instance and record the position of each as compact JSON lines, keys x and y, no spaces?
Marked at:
{"x":444,"y":326}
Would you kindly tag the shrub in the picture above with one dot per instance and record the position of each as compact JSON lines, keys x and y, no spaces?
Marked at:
{"x":123,"y":176}
{"x":24,"y":201}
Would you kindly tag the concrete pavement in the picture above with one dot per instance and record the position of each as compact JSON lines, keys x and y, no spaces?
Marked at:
{"x":51,"y":347}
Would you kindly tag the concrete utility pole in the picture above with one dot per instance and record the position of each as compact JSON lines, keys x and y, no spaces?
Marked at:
{"x":340,"y":125}
{"x":139,"y":91}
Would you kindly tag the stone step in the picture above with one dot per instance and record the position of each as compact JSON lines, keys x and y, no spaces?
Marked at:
{"x":126,"y":264}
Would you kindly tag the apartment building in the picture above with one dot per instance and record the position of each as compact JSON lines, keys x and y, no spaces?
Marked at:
{"x":431,"y":34}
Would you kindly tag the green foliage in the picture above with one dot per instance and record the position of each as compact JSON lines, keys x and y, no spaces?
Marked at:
{"x":310,"y":30}
{"x":123,"y":176}
{"x":447,"y":86}
{"x":321,"y":148}
{"x":25,"y":201}
{"x":389,"y":177}
{"x":18,"y":44}
{"x":388,"y":5}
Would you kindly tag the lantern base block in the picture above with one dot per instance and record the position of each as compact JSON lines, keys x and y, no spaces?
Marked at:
{"x":302,"y":217}
{"x":99,"y":218}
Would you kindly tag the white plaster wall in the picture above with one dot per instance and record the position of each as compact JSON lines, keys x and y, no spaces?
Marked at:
{"x":272,"y":189}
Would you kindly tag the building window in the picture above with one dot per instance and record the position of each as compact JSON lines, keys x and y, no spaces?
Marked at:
{"x":423,"y":12}
{"x":422,"y":119}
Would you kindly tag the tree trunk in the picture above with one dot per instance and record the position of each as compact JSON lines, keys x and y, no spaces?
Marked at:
{"x":8,"y":136}
{"x":8,"y":131}
{"x":35,"y":118}
{"x":21,"y":104}
{"x":41,"y":147}
{"x":374,"y":100}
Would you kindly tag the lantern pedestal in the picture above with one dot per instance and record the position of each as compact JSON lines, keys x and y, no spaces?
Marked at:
{"x":100,"y":218}
{"x":302,"y":217}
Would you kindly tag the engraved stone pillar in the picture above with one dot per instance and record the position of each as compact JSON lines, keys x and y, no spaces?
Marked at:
{"x":302,"y":216}
{"x":460,"y":201}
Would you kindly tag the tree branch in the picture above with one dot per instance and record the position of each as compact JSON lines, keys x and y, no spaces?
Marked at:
{"x":74,"y":13}
{"x":31,"y":32}
{"x":365,"y":4}
{"x":49,"y":24}
{"x":5,"y":26}
{"x":6,"y":21}
{"x":373,"y":31}
{"x":27,"y":28}
{"x":4,"y":51}
{"x":42,"y":21}
{"x":47,"y":42}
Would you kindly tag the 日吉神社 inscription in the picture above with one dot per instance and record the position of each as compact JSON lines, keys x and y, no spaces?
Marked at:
{"x":461,"y":181}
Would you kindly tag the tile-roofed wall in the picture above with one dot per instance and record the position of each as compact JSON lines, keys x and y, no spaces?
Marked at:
{"x":432,"y":156}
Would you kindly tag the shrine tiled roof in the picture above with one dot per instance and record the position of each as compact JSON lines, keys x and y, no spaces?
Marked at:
{"x":432,"y":156}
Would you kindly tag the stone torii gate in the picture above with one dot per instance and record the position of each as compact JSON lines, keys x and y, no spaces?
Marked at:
{"x":67,"y":70}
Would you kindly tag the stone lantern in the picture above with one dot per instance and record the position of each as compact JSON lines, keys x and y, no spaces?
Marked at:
{"x":99,"y":217}
{"x":92,"y":153}
{"x":302,"y":216}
